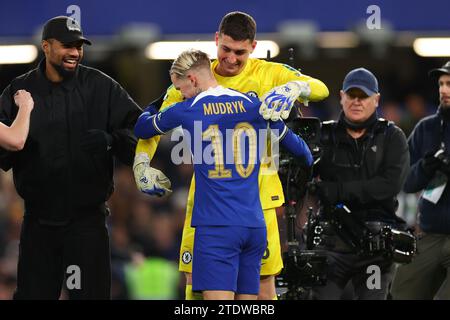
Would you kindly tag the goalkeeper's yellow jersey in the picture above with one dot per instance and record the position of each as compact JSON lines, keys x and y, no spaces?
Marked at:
{"x":257,"y":78}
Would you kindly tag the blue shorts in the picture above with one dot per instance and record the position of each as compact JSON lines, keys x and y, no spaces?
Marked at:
{"x":228,"y":258}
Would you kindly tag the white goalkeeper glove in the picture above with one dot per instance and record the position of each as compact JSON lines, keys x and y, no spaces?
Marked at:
{"x":277,"y":103}
{"x":150,"y":180}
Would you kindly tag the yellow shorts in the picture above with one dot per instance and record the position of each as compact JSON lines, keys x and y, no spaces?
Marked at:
{"x":272,"y":262}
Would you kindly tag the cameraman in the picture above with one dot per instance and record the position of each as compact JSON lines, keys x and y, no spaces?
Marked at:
{"x":363,"y":166}
{"x":429,"y":146}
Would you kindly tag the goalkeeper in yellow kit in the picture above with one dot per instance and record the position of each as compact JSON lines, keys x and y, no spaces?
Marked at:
{"x":278,"y":86}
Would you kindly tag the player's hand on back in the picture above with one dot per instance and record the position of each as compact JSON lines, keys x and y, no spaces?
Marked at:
{"x":277,"y":103}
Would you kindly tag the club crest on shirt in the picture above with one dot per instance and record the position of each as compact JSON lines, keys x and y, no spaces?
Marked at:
{"x":252,"y":94}
{"x":186,"y":257}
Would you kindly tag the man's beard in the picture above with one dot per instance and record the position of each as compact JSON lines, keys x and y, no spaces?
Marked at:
{"x":64,"y":73}
{"x":445,"y":105}
{"x":444,"y":110}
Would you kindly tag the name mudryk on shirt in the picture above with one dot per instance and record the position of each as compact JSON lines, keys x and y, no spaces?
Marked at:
{"x":232,"y":107}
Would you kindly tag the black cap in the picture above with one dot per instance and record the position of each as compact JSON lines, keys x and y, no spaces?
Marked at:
{"x":445,"y":69}
{"x":363,"y":79}
{"x":63,"y":29}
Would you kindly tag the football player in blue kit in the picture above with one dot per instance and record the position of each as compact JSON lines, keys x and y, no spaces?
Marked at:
{"x":230,"y":232}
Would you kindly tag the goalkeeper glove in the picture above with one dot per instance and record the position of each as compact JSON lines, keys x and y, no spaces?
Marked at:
{"x":150,"y":180}
{"x":277,"y":103}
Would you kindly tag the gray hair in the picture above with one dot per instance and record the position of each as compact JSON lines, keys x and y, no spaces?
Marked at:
{"x":188,"y":60}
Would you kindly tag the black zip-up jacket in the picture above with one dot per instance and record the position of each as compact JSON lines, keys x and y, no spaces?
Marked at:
{"x":427,"y":137}
{"x":57,"y":179}
{"x":370,"y":171}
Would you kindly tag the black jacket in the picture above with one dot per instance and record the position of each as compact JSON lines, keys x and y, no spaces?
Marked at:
{"x":53,"y":174}
{"x":427,"y":137}
{"x":370,"y":171}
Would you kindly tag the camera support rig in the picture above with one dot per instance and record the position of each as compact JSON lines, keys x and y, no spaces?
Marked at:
{"x":303,"y":269}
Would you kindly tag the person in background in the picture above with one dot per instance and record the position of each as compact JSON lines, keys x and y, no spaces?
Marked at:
{"x":429,"y":145}
{"x":82,"y":119}
{"x":361,"y":170}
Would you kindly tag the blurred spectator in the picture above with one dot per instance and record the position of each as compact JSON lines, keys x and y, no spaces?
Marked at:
{"x":152,"y":278}
{"x":416,"y":109}
{"x":391,"y":111}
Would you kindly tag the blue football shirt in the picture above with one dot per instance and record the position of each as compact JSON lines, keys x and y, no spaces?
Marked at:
{"x":227,"y":138}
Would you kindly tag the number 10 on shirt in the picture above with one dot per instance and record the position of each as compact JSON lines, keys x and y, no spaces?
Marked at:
{"x":240,"y":131}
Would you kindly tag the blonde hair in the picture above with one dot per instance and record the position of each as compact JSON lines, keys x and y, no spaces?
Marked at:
{"x":189,"y":60}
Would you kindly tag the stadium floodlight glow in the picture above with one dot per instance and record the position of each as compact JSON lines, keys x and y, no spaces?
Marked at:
{"x":169,"y":50}
{"x":13,"y":54}
{"x":337,"y":40}
{"x":432,"y":47}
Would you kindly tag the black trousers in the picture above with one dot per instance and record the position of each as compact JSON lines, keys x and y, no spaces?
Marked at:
{"x":428,"y":274}
{"x":76,"y":255}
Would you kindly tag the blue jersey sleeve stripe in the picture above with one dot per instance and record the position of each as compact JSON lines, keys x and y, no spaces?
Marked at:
{"x":279,"y":126}
{"x":283,"y":134}
{"x":156,"y":126}
{"x":143,"y":128}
